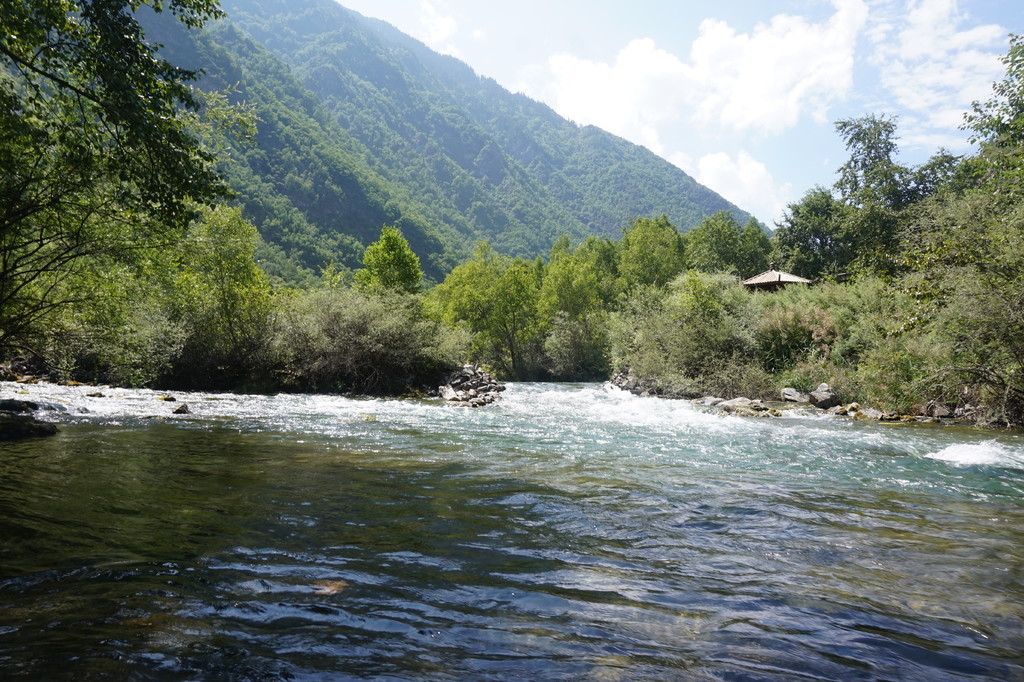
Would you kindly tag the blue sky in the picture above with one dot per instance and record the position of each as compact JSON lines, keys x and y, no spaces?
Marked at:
{"x":741,"y":94}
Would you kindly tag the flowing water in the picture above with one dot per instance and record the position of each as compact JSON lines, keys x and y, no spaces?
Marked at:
{"x":567,"y":532}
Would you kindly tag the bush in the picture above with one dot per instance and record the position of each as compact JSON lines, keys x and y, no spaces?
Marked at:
{"x":698,"y":339}
{"x":576,"y":349}
{"x":789,"y":334}
{"x":377,"y":342}
{"x":224,"y":300}
{"x":900,"y":373}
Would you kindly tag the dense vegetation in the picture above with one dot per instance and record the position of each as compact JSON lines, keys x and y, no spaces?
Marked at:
{"x":120,"y":260}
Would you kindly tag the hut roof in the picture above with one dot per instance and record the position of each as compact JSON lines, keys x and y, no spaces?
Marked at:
{"x":772,"y":278}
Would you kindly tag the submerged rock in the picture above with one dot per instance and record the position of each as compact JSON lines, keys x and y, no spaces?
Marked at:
{"x":18,"y":421}
{"x":868,"y":413}
{"x":22,"y":426}
{"x":15,"y":406}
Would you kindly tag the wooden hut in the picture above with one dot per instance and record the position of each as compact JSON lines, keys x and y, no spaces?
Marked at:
{"x":773,"y":279}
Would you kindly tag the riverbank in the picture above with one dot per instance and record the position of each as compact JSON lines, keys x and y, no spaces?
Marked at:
{"x":823,"y":399}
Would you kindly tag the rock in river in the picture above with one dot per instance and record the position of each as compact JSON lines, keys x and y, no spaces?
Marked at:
{"x":470,"y":386}
{"x":17,"y":421}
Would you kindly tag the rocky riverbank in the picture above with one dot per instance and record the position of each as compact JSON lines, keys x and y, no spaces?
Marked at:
{"x":823,"y":398}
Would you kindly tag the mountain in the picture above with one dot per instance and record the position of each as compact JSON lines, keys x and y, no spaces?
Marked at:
{"x":362,"y":125}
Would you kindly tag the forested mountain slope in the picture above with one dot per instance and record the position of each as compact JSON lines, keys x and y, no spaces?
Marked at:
{"x":361,"y":125}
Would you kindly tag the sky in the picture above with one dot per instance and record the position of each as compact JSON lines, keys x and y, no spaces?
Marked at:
{"x":741,"y":94}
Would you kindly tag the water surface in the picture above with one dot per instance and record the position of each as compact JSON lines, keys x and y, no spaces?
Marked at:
{"x":567,"y":532}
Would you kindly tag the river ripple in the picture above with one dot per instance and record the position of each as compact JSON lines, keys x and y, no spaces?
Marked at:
{"x":569,"y":532}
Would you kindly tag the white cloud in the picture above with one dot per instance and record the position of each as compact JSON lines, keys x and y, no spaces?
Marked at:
{"x":631,"y":97}
{"x":767,"y":79}
{"x":934,"y":69}
{"x":437,"y":29}
{"x":746,"y":182}
{"x":761,"y":81}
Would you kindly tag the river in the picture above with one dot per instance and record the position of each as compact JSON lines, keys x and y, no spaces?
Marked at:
{"x":570,"y":531}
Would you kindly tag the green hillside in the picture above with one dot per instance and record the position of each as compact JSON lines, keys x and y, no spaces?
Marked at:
{"x":361,"y":126}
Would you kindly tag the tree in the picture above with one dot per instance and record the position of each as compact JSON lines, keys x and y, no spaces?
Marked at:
{"x":998,"y":126}
{"x":570,"y":302}
{"x":965,"y":246}
{"x":871,"y":174}
{"x":999,"y":121}
{"x":874,"y":186}
{"x":390,"y":263}
{"x":223,"y":299}
{"x":601,"y":254}
{"x":719,"y":244}
{"x":754,"y":249}
{"x":650,"y":252}
{"x":94,"y":146}
{"x":807,"y":240}
{"x":713,"y":245}
{"x":495,"y":297}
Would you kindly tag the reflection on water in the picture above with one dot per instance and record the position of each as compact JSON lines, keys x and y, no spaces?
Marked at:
{"x":570,"y":532}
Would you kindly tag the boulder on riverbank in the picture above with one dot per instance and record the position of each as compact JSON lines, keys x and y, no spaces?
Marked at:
{"x":470,"y":386}
{"x":22,"y":426}
{"x":824,"y":396}
{"x":792,"y":395}
{"x":745,"y":407}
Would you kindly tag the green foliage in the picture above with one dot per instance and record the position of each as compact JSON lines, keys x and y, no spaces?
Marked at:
{"x":124,"y":334}
{"x":570,"y":300}
{"x":196,"y":312}
{"x":224,"y":300}
{"x":389,"y":263}
{"x":82,"y":75}
{"x":795,"y":332}
{"x":899,"y":373}
{"x":754,"y":250}
{"x":698,"y":339}
{"x":967,"y":251}
{"x":807,"y":242}
{"x":379,"y":342}
{"x":650,"y":253}
{"x":495,"y":297}
{"x":871,"y":175}
{"x":999,"y":122}
{"x":97,"y":155}
{"x":719,"y":244}
{"x":856,"y":336}
{"x":856,"y":228}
